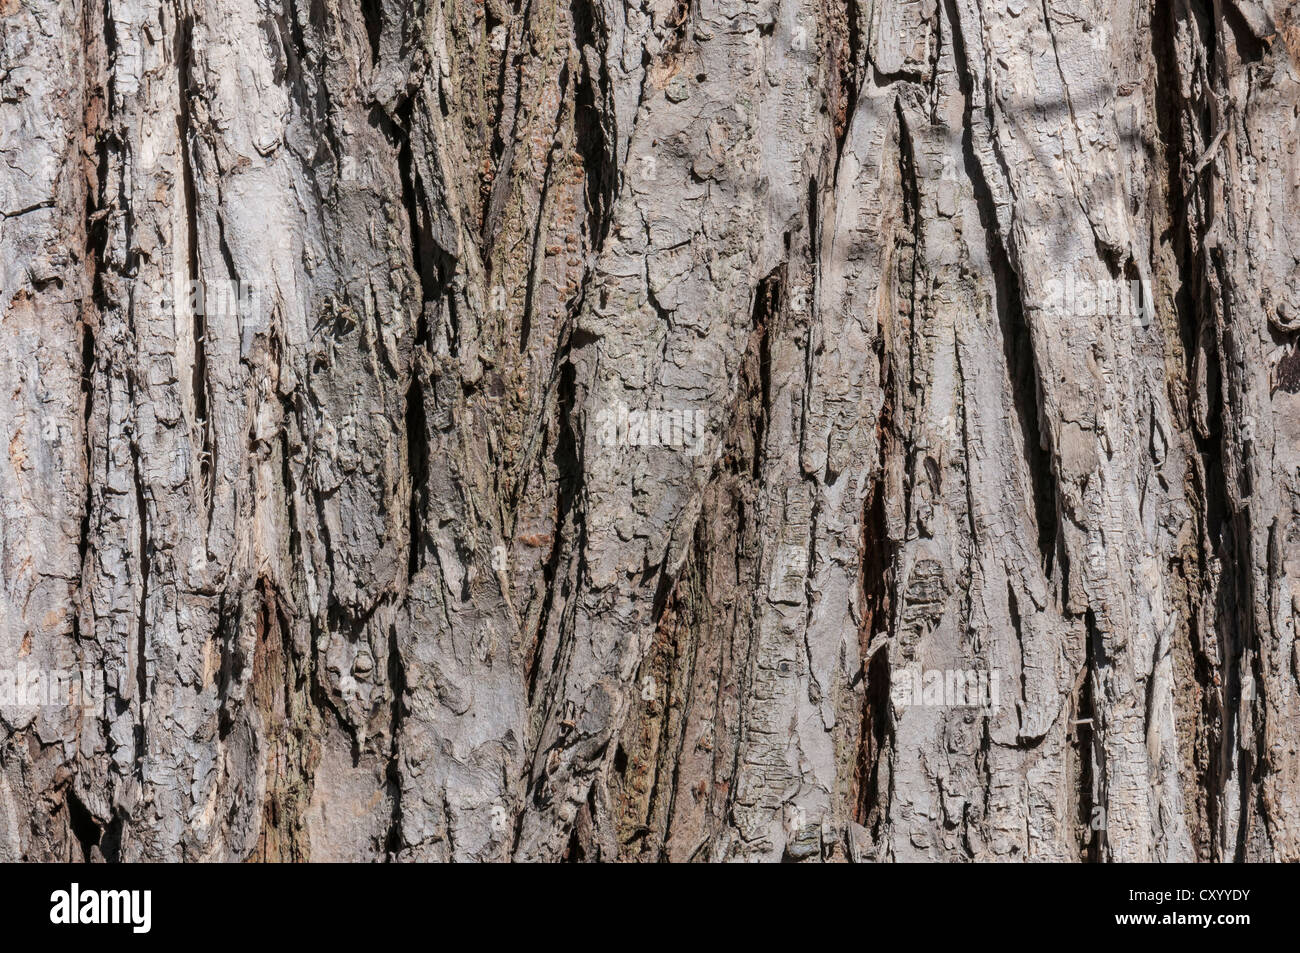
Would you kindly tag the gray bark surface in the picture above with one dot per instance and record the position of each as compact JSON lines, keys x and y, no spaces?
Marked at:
{"x":382,"y":564}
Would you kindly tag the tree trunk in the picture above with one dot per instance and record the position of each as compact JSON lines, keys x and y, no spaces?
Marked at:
{"x":685,"y":430}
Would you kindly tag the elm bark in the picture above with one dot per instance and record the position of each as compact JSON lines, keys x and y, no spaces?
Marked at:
{"x":380,"y":563}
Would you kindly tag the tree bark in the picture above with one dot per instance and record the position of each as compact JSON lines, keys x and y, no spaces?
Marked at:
{"x":501,"y":429}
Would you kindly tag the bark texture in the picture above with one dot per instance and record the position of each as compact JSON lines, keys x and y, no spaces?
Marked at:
{"x":387,"y":567}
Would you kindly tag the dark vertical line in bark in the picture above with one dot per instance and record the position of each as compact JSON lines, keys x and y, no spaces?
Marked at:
{"x":1016,"y":342}
{"x":876,"y":559}
{"x":874,"y":748}
{"x":1226,"y":533}
{"x":689,"y":606}
{"x":85,"y":828}
{"x":88,"y":407}
{"x":723,"y":568}
{"x":133,"y":374}
{"x":539,"y":225}
{"x":568,"y":464}
{"x":142,"y":626}
{"x":698,"y":609}
{"x":392,"y":772}
{"x":289,"y":484}
{"x":432,"y":264}
{"x":417,"y":451}
{"x":842,"y":44}
{"x":199,"y":372}
{"x":1096,"y":662}
{"x":907,"y":174}
{"x":567,"y":458}
{"x":1236,"y":621}
{"x":224,"y":631}
{"x":1249,"y":47}
{"x":1017,"y":629}
{"x":372,"y":14}
{"x":1085,"y":747}
{"x":569,"y":514}
{"x":767,"y":303}
{"x":1189,"y":296}
{"x":97,"y":172}
{"x":270,"y":695}
{"x":678,"y":622}
{"x":501,"y":142}
{"x":498,"y":139}
{"x":573,"y":853}
{"x":593,"y":144}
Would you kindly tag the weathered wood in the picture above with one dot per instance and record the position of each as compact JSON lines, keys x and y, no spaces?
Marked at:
{"x":594,"y":431}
